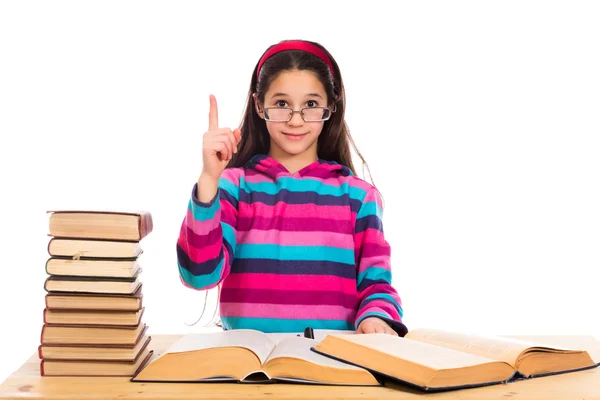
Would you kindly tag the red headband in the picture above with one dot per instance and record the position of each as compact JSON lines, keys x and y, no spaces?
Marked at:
{"x":295,"y":45}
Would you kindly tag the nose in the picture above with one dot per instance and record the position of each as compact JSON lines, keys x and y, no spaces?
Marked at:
{"x":296,"y":119}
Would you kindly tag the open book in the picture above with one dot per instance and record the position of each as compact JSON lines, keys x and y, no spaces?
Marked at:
{"x":440,"y":360}
{"x":251,"y":356}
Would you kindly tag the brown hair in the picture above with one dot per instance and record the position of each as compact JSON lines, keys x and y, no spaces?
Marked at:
{"x":335,"y":139}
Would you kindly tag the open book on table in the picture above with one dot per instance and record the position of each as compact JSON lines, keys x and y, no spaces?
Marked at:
{"x":251,"y":356}
{"x":432,"y":359}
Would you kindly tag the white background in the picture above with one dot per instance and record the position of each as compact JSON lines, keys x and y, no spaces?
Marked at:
{"x":479,"y":120}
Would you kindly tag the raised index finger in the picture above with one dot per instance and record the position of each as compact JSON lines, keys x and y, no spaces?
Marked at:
{"x":213,"y":114}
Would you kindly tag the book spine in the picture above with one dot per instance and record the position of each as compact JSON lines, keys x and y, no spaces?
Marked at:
{"x":42,"y":373}
{"x":48,"y":261}
{"x":49,"y":245}
{"x":42,"y":334}
{"x":146,"y":224}
{"x":40,"y":355}
{"x":44,"y":315}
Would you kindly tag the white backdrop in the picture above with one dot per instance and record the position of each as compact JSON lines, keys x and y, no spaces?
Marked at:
{"x":480,"y":123}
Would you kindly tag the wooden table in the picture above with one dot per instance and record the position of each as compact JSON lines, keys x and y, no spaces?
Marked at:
{"x":26,"y":383}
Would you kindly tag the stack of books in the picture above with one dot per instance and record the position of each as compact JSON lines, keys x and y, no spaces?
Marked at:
{"x":93,"y":316}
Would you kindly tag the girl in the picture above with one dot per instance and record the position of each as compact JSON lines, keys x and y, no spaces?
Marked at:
{"x":278,"y":217}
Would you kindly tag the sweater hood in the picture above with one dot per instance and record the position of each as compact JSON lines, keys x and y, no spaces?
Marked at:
{"x":267,"y":165}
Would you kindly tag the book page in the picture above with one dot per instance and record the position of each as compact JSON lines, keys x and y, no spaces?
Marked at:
{"x":426,"y":354}
{"x":319,"y":334}
{"x":567,"y":342}
{"x":253,"y":340}
{"x":299,"y":347}
{"x":497,"y":348}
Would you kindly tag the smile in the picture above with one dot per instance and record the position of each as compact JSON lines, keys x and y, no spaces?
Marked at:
{"x":294,"y":136}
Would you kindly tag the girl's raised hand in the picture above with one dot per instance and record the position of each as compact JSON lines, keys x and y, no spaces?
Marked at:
{"x":218,"y":144}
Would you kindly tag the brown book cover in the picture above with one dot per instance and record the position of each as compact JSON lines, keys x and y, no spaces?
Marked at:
{"x":100,"y":224}
{"x":94,"y":248}
{"x":77,"y":352}
{"x":92,"y":284}
{"x":95,"y":368}
{"x":93,"y":267}
{"x":95,"y":301}
{"x":92,"y":318}
{"x":91,"y":334}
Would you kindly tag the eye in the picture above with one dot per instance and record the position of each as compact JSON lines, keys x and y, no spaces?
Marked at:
{"x":281,"y":103}
{"x":312,"y":103}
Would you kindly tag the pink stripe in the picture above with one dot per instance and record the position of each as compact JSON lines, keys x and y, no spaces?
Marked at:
{"x":369,"y":235}
{"x":207,"y":252}
{"x":379,"y":306}
{"x":296,"y":211}
{"x":379,"y":262}
{"x":337,"y":181}
{"x":276,"y":281}
{"x":300,"y":238}
{"x":287,"y":311}
{"x":202,"y":228}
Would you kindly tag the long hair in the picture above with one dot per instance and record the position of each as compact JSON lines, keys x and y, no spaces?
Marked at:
{"x":334,"y":141}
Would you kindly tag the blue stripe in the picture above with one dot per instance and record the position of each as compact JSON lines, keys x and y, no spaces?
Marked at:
{"x":201,"y":281}
{"x":375,"y":274}
{"x":229,"y":236}
{"x":202,"y":213}
{"x":370,"y":208}
{"x":372,"y":314}
{"x":304,"y":185}
{"x":383,"y":296}
{"x":283,"y":325}
{"x":308,"y":253}
{"x":229,"y":187}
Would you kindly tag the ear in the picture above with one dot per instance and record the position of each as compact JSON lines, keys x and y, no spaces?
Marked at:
{"x":257,"y":107}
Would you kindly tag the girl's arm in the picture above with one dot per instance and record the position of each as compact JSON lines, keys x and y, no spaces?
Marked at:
{"x":207,"y":239}
{"x":377,"y":297}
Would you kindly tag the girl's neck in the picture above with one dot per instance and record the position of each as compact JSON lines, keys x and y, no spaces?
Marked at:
{"x":293,"y":162}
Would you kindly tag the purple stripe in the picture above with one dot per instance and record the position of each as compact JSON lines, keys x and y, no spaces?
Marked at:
{"x":306,"y":297}
{"x":203,"y":268}
{"x":224,"y":195}
{"x":371,"y":221}
{"x":299,"y":198}
{"x":365,"y":283}
{"x":283,"y":223}
{"x":293,"y":267}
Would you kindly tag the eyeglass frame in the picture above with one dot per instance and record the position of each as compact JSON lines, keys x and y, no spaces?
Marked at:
{"x":297,"y":111}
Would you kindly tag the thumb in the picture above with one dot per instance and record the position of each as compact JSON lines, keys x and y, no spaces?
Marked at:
{"x":238,"y":135}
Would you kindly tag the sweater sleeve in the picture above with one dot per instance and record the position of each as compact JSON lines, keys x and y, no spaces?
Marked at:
{"x":207,"y":239}
{"x":377,"y":297}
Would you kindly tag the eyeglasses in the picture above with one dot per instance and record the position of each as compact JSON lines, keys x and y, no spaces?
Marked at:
{"x":309,"y":114}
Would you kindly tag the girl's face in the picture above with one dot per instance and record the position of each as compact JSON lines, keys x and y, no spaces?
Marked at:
{"x":296,"y":90}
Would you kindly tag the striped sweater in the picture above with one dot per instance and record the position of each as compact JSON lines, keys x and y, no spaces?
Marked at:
{"x":291,"y":250}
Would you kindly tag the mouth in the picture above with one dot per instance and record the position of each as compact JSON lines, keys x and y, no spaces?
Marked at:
{"x":294,"y":136}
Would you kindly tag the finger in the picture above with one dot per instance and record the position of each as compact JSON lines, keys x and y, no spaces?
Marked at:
{"x":233,"y":141}
{"x":227,"y":138}
{"x":220,"y":149}
{"x":213,"y":113}
{"x":390,"y":331}
{"x":238,"y":136}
